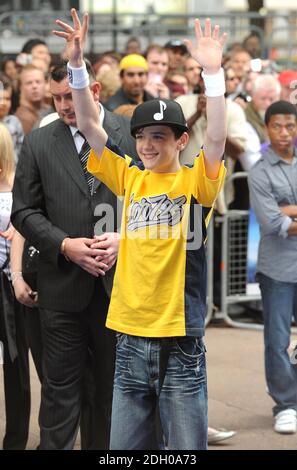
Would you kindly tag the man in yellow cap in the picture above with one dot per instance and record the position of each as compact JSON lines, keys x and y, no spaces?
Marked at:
{"x":134,"y":74}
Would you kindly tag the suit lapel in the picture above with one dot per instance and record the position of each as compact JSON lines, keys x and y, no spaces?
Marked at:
{"x":112,"y":127}
{"x":64,"y":148}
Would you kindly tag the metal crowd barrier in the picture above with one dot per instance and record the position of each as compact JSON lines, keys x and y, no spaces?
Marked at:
{"x":234,"y":267}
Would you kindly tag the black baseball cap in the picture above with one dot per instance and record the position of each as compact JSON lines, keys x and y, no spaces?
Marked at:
{"x":158,"y":113}
{"x":176,"y":43}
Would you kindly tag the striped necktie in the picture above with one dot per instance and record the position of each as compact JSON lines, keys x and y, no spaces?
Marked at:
{"x":83,"y":157}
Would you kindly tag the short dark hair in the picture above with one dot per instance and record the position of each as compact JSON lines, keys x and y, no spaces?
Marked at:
{"x":31,"y":43}
{"x":133,"y":39}
{"x":177,"y":131}
{"x":5,"y":81}
{"x":59,"y":71}
{"x":155,"y":47}
{"x":252,"y":34}
{"x":280,"y":107}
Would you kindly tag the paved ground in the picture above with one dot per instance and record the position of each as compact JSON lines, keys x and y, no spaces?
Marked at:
{"x":237,"y":396}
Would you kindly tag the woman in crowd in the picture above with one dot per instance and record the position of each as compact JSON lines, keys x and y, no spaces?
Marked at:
{"x":13,"y":348}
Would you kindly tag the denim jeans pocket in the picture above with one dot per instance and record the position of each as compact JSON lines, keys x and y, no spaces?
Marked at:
{"x":123,"y":356}
{"x":190,"y":357}
{"x":190,"y":347}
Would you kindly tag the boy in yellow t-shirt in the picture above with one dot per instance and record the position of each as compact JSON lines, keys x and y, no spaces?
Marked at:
{"x":158,"y":299}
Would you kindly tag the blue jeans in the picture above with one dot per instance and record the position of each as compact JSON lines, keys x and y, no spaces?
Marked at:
{"x":182,"y":400}
{"x":279,"y":306}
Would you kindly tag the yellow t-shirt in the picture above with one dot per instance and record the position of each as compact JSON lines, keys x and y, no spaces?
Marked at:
{"x":159,"y":287}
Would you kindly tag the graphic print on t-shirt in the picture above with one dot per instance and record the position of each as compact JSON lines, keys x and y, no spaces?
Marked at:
{"x":155,"y":210}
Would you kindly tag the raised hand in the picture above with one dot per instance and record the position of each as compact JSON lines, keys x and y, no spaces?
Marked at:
{"x":208,"y":50}
{"x":75,"y":37}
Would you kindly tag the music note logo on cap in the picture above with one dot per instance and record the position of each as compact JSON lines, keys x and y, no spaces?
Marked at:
{"x":158,"y":112}
{"x":159,"y":116}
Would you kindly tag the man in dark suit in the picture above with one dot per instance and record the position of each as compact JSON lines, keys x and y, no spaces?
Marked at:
{"x":56,"y":207}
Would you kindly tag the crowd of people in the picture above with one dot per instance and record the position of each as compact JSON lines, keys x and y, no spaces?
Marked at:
{"x":65,"y":269}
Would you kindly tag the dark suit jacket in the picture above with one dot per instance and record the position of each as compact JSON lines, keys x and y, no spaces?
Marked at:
{"x":51,"y":201}
{"x":120,"y":98}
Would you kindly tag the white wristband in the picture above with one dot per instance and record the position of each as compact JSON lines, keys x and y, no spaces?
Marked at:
{"x":214,"y":84}
{"x":78,"y":76}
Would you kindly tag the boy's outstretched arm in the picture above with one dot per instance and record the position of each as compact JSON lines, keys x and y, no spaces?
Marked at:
{"x":208,"y":52}
{"x":86,"y":110}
